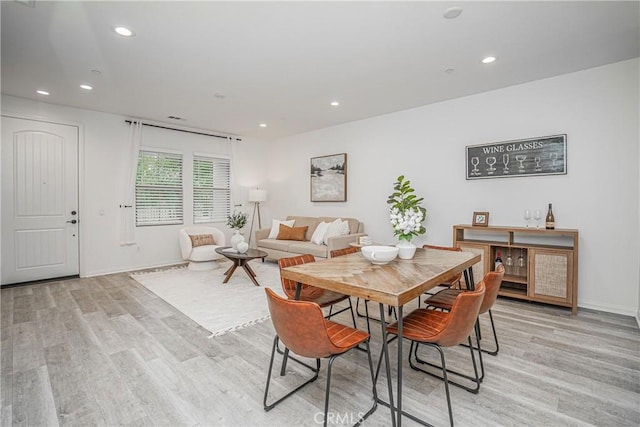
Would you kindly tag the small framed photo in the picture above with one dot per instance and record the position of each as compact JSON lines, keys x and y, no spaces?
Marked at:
{"x":481,"y":219}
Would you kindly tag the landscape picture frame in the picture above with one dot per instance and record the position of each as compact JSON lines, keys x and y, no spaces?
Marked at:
{"x":328,"y":178}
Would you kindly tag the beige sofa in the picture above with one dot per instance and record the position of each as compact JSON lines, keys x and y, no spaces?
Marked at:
{"x":287,"y":248}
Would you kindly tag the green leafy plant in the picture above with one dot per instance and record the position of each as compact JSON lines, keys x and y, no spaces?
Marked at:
{"x":405,"y":211}
{"x":237,"y":220}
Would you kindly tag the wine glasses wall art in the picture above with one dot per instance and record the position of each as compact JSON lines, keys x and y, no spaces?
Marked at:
{"x":533,"y":156}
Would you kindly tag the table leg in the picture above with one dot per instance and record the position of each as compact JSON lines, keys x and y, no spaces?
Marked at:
{"x":399,"y":413}
{"x":387,"y":364}
{"x":230,"y":272}
{"x":248,"y":268}
{"x":250,"y":273}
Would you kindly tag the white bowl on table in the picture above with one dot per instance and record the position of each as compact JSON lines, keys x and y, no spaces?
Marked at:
{"x":380,"y":254}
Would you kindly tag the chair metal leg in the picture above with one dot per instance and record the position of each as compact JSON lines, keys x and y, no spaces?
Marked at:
{"x":495,"y":337}
{"x":475,"y":379}
{"x":269,"y":406}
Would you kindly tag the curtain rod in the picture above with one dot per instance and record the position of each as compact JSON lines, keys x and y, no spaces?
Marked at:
{"x":183,"y":130}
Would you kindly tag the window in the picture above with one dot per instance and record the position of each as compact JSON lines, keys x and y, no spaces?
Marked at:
{"x":158,"y":188}
{"x":211,"y":189}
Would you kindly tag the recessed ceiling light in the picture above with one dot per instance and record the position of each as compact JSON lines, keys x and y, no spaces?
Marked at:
{"x":123,"y":31}
{"x":263,"y":125}
{"x":452,"y":12}
{"x":86,"y":87}
{"x":335,"y":104}
{"x":42,"y":92}
{"x":488,"y":59}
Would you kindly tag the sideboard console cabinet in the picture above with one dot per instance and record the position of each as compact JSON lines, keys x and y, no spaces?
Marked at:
{"x":541,"y":265}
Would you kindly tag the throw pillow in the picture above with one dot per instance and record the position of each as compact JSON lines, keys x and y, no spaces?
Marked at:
{"x":318,"y":234}
{"x":201,"y":240}
{"x":275,"y":227}
{"x":335,"y":229}
{"x":292,"y":233}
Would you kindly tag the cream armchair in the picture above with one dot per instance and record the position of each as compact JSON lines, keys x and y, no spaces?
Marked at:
{"x":203,"y":256}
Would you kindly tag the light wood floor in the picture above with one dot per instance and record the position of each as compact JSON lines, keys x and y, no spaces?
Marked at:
{"x":105,"y":351}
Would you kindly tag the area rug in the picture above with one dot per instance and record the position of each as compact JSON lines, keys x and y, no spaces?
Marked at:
{"x":219,"y":308}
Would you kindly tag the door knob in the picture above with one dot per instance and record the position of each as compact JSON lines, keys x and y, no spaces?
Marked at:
{"x":73,"y":221}
{"x":73,"y":212}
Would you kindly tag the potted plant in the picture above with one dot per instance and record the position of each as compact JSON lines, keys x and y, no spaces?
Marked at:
{"x":406,"y":216}
{"x":236,"y":221}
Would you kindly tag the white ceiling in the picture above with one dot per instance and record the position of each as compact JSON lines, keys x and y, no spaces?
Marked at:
{"x":228,"y":66}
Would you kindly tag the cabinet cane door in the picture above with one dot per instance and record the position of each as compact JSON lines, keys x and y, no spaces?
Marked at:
{"x":39,"y":200}
{"x":550,"y":272}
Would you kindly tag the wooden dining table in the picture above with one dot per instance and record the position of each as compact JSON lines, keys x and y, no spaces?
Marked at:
{"x":394,"y":284}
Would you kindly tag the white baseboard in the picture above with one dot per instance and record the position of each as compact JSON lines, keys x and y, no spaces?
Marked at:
{"x":626,"y":311}
{"x":131,"y":268}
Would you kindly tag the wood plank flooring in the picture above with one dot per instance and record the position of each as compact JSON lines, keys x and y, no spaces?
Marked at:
{"x":105,"y":351}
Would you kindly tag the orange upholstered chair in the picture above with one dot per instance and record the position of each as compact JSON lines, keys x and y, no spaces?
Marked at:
{"x":346,"y":251}
{"x":439,"y":329}
{"x":453,"y":281}
{"x":322,"y":297}
{"x":445,"y":298}
{"x":301,"y":326}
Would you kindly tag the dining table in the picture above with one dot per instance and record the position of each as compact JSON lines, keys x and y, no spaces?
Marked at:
{"x":394,"y":284}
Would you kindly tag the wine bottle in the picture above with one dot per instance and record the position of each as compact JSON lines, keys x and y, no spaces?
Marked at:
{"x":498,"y":260}
{"x":551,"y":220}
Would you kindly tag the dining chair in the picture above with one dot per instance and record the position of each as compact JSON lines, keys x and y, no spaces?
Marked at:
{"x":346,"y":251}
{"x":322,"y":297}
{"x":452,"y":282}
{"x":440,"y":329}
{"x":444,"y":300}
{"x":302,"y":328}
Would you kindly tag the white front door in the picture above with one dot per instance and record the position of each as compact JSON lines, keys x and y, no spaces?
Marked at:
{"x":39,"y":200}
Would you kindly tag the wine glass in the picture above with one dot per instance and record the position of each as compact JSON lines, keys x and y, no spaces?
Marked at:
{"x":538,"y":168}
{"x":537,"y":216}
{"x":521,"y":158}
{"x":527,"y":216}
{"x":491,"y":161}
{"x":505,"y":160}
{"x":475,"y":161}
{"x":509,"y":261}
{"x":521,"y":261}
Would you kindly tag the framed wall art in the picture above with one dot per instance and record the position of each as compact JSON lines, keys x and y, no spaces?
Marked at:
{"x":534,"y":156}
{"x":329,"y":178}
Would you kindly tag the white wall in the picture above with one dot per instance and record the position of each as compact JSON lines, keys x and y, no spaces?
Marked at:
{"x":104,"y":141}
{"x":597,"y":109}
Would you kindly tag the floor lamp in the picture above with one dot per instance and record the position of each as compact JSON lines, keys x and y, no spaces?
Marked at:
{"x":256,"y":196}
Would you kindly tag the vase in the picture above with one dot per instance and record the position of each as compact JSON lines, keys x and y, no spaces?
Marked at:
{"x":243,"y":247}
{"x":235,"y":239}
{"x":406,"y":250}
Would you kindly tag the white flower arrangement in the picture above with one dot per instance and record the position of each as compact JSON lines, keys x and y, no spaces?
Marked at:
{"x":405,"y":212}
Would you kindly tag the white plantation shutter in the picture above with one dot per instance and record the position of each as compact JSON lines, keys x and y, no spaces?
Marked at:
{"x":159,"y":188}
{"x":211,"y":189}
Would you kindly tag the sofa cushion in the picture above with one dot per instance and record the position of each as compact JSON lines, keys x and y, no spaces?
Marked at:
{"x":353,"y":223}
{"x":280,"y":245}
{"x":309,"y":221}
{"x":275,"y":227}
{"x":318,"y":234}
{"x":292,"y":233}
{"x":308,"y":248}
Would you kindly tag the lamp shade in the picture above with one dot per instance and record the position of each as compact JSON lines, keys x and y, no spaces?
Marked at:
{"x":257,"y":196}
